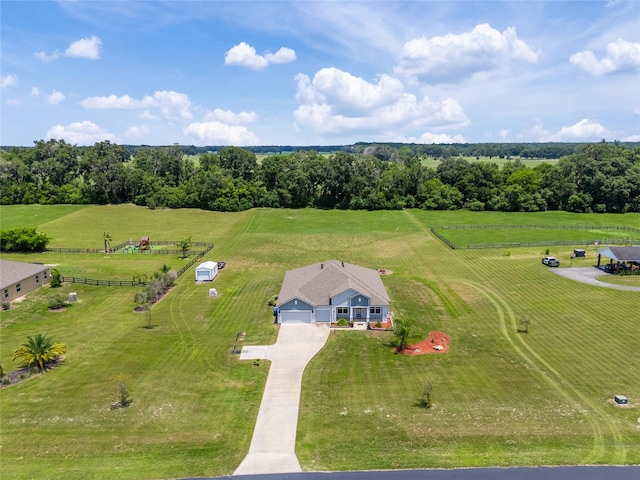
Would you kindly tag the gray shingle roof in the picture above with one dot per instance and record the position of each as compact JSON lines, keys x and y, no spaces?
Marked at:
{"x":628,"y":254}
{"x":317,"y":283}
{"x":14,"y":272}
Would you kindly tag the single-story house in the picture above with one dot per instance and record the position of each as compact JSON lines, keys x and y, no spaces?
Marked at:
{"x":19,"y":278}
{"x":619,"y":255}
{"x":206,"y":271}
{"x":330,"y":291}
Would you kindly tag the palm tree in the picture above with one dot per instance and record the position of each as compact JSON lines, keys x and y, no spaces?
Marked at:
{"x":185,"y":245}
{"x":107,"y":241}
{"x":401,"y":332}
{"x":38,"y":351}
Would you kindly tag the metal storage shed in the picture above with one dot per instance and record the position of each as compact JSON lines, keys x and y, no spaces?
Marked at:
{"x":206,"y":271}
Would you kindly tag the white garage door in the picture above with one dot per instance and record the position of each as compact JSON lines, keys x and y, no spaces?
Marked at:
{"x":295,"y":316}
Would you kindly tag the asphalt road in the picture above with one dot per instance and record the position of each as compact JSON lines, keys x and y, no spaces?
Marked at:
{"x":516,"y":473}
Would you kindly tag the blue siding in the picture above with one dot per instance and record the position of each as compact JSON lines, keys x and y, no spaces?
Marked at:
{"x":360,"y":301}
{"x":291,"y":305}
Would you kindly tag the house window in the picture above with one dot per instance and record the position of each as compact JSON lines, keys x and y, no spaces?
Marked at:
{"x":44,"y":275}
{"x":37,"y":278}
{"x":375,"y":310}
{"x":18,"y":287}
{"x":342,"y":310}
{"x":6,"y":293}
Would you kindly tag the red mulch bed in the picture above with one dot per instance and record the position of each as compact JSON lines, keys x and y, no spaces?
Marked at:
{"x":426,"y":346}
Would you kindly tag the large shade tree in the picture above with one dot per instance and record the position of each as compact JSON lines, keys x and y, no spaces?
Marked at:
{"x":39,"y":351}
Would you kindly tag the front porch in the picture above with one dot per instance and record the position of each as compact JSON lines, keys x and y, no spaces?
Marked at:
{"x":360,"y":324}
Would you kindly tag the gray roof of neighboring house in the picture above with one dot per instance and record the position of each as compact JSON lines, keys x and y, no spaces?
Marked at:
{"x":623,"y":254}
{"x":15,"y":272}
{"x":317,"y":283}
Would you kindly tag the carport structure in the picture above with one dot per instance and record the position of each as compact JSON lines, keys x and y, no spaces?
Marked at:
{"x":620,"y":255}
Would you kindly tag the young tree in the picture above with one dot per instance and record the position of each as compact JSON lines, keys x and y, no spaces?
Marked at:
{"x":123,"y":398}
{"x":525,"y":322}
{"x":425,"y":400}
{"x":39,"y":351}
{"x":401,"y":332}
{"x":185,"y":245}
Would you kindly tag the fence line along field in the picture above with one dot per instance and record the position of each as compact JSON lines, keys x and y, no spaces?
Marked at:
{"x":500,"y":396}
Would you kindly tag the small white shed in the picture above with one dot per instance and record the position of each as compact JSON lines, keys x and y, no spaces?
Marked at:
{"x":206,"y":271}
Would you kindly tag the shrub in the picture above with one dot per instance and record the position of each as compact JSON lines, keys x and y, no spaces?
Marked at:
{"x":56,"y":278}
{"x":23,"y":240}
{"x":154,"y":290}
{"x":6,"y":305}
{"x":56,"y":301}
{"x":343,"y":322}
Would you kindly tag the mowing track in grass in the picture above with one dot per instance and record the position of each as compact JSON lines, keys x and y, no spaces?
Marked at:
{"x":561,"y":384}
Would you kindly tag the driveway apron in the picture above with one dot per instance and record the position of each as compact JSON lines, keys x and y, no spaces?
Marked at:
{"x":272,"y":447}
{"x":588,"y":275}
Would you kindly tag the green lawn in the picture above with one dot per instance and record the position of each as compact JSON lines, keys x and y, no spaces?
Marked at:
{"x":500,"y":397}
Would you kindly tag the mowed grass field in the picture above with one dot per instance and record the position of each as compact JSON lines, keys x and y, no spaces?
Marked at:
{"x":500,"y":397}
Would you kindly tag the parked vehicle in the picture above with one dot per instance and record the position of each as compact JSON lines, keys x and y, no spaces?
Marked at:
{"x":221,"y":265}
{"x":550,"y":261}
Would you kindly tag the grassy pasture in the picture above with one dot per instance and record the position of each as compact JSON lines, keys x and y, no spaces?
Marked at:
{"x":500,"y":397}
{"x":531,"y":163}
{"x":33,"y":215}
{"x":582,"y":237}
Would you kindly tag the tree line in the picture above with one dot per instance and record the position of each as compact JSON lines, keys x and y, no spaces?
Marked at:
{"x":600,"y":177}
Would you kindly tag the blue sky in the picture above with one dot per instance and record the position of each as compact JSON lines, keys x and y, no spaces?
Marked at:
{"x":319,"y":73}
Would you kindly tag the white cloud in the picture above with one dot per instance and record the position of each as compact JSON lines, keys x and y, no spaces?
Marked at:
{"x":113,"y":101}
{"x":620,"y":56}
{"x":218,"y":133}
{"x":348,"y":92}
{"x":227,"y":116}
{"x":172,"y":105}
{"x":336,"y":101}
{"x":244,"y":55}
{"x":35,"y":92}
{"x":451,"y":58}
{"x":8,"y":80}
{"x":440,"y":138}
{"x":503,"y":133}
{"x":88,"y":48}
{"x":81,"y":133}
{"x":55,"y":98}
{"x":147,"y":115}
{"x":85,"y":48}
{"x":283,"y":55}
{"x":631,"y":138}
{"x":136,"y":131}
{"x":584,"y":130}
{"x":13,"y":101}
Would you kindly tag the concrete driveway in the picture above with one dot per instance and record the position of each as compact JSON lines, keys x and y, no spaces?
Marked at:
{"x":273,"y":443}
{"x":588,"y":275}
